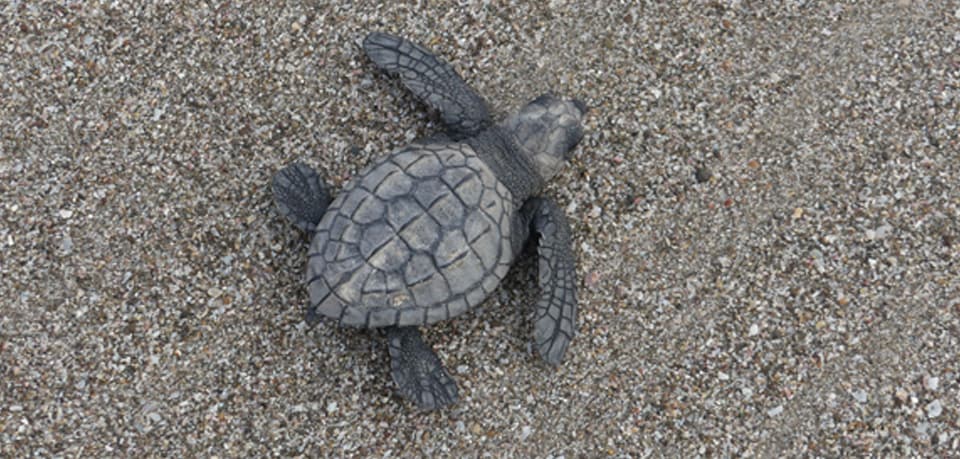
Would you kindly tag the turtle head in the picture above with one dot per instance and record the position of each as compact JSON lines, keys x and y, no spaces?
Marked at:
{"x":547,"y":129}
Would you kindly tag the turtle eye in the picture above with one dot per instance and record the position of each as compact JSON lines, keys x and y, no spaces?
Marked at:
{"x":575,"y":136}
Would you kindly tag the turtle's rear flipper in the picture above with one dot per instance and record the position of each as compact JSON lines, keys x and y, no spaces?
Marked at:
{"x":556,"y":314}
{"x":432,"y":80}
{"x":300,"y":195}
{"x":417,"y":370}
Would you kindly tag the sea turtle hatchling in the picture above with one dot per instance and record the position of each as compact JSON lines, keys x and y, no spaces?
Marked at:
{"x":430,"y":230}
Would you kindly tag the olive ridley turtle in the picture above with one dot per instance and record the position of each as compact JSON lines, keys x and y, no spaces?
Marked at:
{"x":430,"y":230}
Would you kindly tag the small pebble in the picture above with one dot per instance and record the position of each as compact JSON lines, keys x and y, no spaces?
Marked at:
{"x":595,"y":212}
{"x":525,"y":432}
{"x":902,"y":396}
{"x":298,"y":408}
{"x":66,"y":244}
{"x":703,"y":174}
{"x":592,"y":279}
{"x":860,"y":395}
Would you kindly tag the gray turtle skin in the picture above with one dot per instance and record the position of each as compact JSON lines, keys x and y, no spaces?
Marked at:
{"x":430,"y":230}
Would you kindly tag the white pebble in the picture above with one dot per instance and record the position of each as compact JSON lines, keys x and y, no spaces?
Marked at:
{"x":525,"y":432}
{"x":934,"y":409}
{"x":66,"y":244}
{"x":298,"y":408}
{"x":775,"y":411}
{"x":860,"y":395}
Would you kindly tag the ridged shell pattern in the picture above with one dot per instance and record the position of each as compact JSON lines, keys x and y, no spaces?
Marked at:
{"x":419,"y":236}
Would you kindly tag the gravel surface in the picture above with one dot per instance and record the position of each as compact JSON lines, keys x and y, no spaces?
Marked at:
{"x":765,"y":211}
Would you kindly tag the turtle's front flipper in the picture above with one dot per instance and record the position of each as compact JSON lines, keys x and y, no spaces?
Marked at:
{"x":556,"y":314}
{"x":300,"y":196}
{"x":432,"y":80}
{"x":417,"y":370}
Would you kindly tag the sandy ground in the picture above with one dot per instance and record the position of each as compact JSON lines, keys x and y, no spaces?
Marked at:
{"x":765,"y":212}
